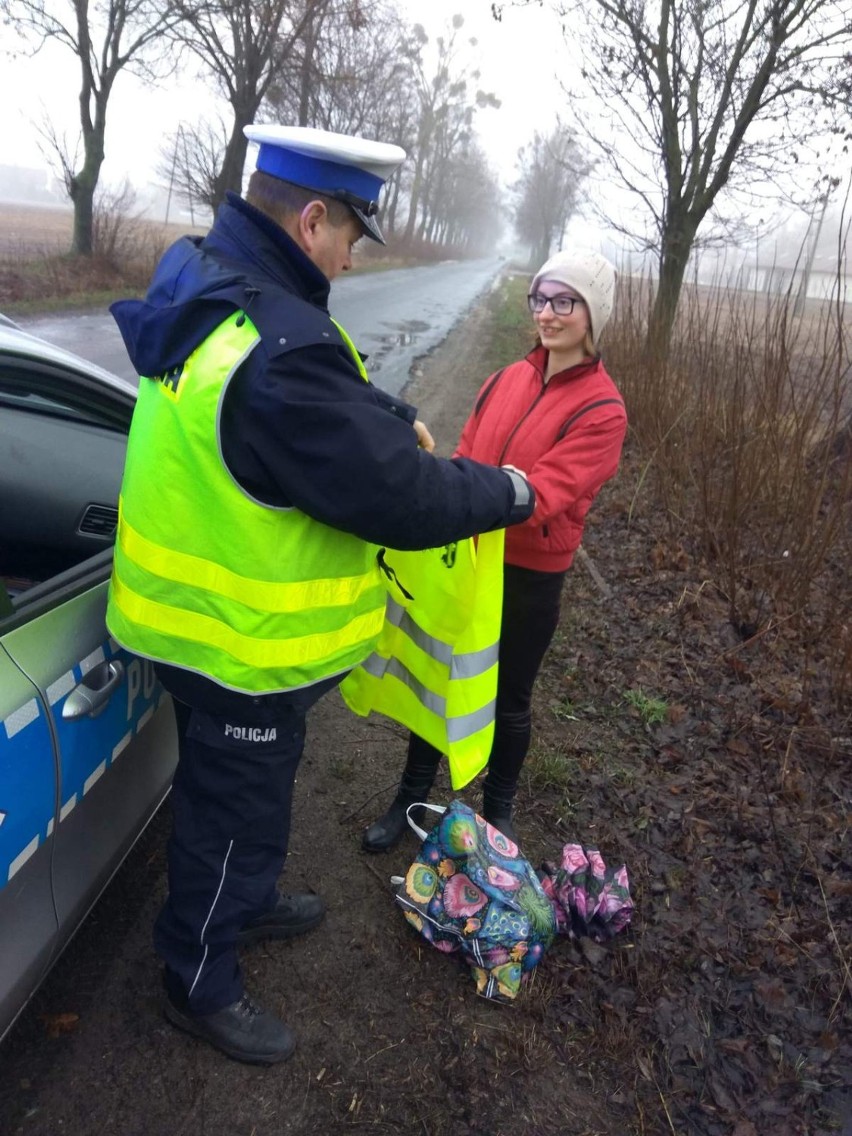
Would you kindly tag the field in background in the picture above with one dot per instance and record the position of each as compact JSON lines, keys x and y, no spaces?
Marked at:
{"x":36,"y":274}
{"x":28,"y":231}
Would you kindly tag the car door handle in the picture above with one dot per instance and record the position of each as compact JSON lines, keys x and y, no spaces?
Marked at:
{"x":90,"y":696}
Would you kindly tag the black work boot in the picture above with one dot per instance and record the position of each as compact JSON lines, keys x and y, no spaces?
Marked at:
{"x":242,"y":1030}
{"x":418,"y":775}
{"x":292,"y":915}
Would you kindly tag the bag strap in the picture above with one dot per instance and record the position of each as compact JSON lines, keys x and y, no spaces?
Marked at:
{"x":421,"y":832}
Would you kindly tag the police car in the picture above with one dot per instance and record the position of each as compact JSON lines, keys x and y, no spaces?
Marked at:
{"x":87,"y":736}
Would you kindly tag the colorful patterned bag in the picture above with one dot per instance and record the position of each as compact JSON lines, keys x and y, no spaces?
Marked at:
{"x":470,"y":891}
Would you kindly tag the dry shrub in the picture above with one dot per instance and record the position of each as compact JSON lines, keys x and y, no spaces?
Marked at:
{"x":35,"y":265}
{"x":114,"y":223}
{"x":122,"y":237}
{"x":413,"y":251}
{"x":745,"y":431}
{"x":60,"y":277}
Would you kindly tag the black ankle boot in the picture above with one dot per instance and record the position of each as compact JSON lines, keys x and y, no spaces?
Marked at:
{"x":420,"y":768}
{"x":386,"y":832}
{"x":497,"y":808}
{"x":502,"y":821}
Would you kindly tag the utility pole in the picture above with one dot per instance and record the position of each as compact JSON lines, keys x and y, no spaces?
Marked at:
{"x":171,"y":183}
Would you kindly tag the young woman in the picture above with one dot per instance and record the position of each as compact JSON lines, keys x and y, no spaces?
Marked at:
{"x":557,"y":416}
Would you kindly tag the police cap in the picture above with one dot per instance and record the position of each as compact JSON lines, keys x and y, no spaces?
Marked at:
{"x":347,"y":168}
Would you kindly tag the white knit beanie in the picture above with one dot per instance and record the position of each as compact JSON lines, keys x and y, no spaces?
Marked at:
{"x":590,"y":275}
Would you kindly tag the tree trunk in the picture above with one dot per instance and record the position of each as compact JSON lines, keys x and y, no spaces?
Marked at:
{"x":540,"y":253}
{"x":82,"y":192}
{"x":416,"y":183}
{"x":413,"y":203}
{"x":230,"y":177}
{"x":389,"y":220}
{"x":82,"y":185}
{"x":677,"y":245}
{"x":306,"y":70}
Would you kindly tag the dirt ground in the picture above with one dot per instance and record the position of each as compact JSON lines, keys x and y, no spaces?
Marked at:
{"x":724,"y":1010}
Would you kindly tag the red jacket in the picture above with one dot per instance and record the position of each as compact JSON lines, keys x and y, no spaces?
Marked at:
{"x":566,"y":436}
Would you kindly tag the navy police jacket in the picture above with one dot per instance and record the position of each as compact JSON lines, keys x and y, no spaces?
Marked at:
{"x":299,"y":426}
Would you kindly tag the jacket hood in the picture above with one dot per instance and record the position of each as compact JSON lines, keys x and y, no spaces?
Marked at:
{"x":244,"y":259}
{"x":189,"y":296}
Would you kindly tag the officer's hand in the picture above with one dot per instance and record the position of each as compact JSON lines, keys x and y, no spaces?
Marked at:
{"x":424,"y":439}
{"x":515,"y":469}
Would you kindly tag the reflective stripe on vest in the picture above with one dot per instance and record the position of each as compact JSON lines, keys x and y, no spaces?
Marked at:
{"x":258,"y":598}
{"x":434,"y":669}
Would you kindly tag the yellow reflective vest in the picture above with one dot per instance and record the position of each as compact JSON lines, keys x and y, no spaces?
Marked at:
{"x":434,"y":668}
{"x":260,"y":599}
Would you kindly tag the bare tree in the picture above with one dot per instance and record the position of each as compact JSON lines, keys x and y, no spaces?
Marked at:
{"x":467,"y":216}
{"x":244,"y":45}
{"x":354,"y":78}
{"x":107,"y":38}
{"x":363,"y":71}
{"x":349,"y":73}
{"x":445,"y":118}
{"x":453,"y":149}
{"x":552,"y":169}
{"x":700,"y":97}
{"x":191,"y":161}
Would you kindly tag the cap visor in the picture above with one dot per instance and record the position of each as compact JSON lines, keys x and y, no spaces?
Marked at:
{"x":369,"y":224}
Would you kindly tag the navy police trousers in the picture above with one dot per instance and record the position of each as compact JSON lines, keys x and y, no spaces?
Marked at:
{"x":231,"y":800}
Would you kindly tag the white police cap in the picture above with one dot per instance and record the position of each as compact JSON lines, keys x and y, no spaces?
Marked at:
{"x":350,"y":169}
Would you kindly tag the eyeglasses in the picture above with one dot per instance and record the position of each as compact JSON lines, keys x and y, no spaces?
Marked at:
{"x":561,"y":305}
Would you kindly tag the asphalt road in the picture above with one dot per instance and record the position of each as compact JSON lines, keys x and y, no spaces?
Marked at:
{"x":393,"y":317}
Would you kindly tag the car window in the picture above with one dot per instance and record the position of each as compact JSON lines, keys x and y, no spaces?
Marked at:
{"x":63,"y":437}
{"x":65,"y":393}
{"x":39,"y":403}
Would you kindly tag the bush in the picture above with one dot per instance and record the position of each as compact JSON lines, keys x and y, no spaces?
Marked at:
{"x":37,"y":272}
{"x":744,"y":437}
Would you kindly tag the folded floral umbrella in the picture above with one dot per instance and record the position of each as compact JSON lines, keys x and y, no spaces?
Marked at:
{"x":589,"y":899}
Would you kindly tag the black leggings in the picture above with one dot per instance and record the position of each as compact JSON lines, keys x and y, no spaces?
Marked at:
{"x":530,"y":617}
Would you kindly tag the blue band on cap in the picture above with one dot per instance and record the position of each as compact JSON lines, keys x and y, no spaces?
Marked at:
{"x":316,"y":173}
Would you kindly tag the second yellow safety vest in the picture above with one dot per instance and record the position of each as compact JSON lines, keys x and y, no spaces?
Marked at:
{"x":434,"y":669}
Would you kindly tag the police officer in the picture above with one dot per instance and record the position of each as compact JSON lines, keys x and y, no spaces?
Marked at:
{"x":264,"y":472}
